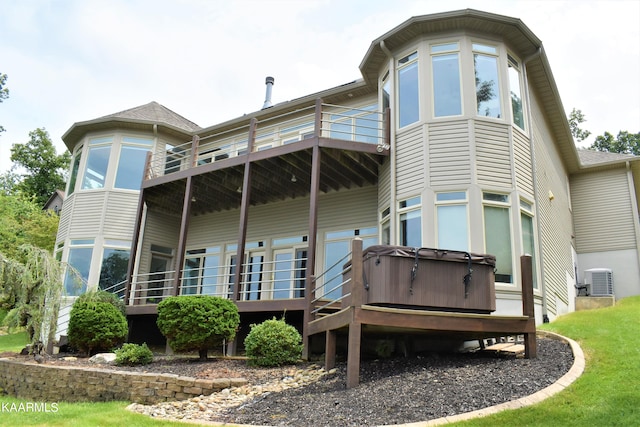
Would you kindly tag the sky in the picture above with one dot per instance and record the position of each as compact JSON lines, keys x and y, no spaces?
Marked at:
{"x":69,"y":61}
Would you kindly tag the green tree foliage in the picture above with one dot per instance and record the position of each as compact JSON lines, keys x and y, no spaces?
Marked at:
{"x":576,"y":118}
{"x":273,"y":343}
{"x":624,"y":143}
{"x":197,"y":322}
{"x":32,"y":289}
{"x":22,"y":221}
{"x":44,"y":167}
{"x":96,"y":326}
{"x":4,"y":91}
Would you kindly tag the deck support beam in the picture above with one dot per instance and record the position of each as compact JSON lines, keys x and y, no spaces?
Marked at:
{"x":528,"y":308}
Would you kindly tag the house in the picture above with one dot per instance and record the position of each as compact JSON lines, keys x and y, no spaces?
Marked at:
{"x":454,"y":138}
{"x":54,"y":203}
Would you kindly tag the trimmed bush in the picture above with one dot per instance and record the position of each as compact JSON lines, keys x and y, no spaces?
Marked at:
{"x":96,"y":326}
{"x":99,"y":295}
{"x":273,"y":343}
{"x":197,"y":322}
{"x":134,"y":354}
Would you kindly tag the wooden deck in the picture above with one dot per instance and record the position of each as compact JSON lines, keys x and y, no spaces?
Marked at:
{"x":359,"y":318}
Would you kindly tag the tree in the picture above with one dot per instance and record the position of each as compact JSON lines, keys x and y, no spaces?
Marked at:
{"x":624,"y":143}
{"x":32,"y":290}
{"x":44,"y":166}
{"x":22,"y":221}
{"x":576,"y":118}
{"x":4,"y":92}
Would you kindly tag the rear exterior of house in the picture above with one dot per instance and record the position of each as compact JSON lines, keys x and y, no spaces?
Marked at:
{"x":455,"y":139}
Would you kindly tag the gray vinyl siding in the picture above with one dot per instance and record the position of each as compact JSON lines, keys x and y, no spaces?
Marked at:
{"x":554,"y":215}
{"x":65,"y":219}
{"x":523,"y":162}
{"x":493,"y":155}
{"x":160,"y":229}
{"x":410,"y":163}
{"x":449,"y":154}
{"x":384,"y":185}
{"x":336,"y":211}
{"x":120,"y":215}
{"x":88,"y":214}
{"x":602,"y":211}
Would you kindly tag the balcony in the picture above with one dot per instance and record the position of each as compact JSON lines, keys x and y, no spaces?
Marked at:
{"x":353,"y":142}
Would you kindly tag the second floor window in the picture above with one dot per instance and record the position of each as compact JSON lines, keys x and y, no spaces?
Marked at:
{"x":133,"y":154}
{"x":485,"y":62}
{"x":95,"y":173}
{"x":408,"y":90}
{"x":445,"y":62}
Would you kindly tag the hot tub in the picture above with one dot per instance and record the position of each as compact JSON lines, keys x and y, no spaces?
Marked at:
{"x":433,"y":279}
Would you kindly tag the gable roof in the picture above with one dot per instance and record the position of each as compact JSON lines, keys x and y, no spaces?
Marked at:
{"x":143,"y":117}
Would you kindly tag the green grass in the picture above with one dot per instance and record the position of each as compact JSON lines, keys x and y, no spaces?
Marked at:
{"x":14,"y":342}
{"x":607,"y":393}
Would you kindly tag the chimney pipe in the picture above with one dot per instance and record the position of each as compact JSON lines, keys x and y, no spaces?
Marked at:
{"x":267,"y":102}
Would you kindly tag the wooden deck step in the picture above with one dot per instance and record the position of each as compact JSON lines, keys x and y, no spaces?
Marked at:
{"x":506,"y":348}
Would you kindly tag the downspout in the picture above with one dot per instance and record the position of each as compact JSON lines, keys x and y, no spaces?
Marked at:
{"x":634,"y":206}
{"x":541,"y":287}
{"x":392,"y":151}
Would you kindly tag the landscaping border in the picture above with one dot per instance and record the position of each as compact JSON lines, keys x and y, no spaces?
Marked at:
{"x":41,"y":382}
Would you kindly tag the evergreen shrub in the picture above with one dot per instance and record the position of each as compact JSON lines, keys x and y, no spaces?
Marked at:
{"x":133,"y":354}
{"x":197,"y":322}
{"x":96,"y":326}
{"x":273,"y":343}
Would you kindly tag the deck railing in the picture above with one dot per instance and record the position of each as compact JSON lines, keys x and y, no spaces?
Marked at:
{"x":263,"y":280}
{"x":364,"y":125}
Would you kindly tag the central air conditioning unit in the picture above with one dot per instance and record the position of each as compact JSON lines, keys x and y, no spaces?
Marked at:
{"x":599,"y":281}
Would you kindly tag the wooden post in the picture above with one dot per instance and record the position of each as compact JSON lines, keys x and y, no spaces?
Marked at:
{"x":330,"y":350}
{"x":530,"y":349}
{"x":355,"y":327}
{"x":195,"y":145}
{"x":182,"y":238}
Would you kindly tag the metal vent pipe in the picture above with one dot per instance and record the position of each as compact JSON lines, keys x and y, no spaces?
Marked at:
{"x":267,"y":101}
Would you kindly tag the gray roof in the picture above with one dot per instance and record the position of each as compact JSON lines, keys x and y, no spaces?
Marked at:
{"x":592,"y":157}
{"x":155,"y":112}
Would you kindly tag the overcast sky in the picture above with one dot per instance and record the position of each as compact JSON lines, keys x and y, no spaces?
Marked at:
{"x":70,"y":61}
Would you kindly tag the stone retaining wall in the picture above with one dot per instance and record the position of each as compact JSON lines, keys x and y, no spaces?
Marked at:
{"x":72,"y":384}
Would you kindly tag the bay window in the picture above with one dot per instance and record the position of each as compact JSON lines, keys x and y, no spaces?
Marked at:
{"x":497,"y":234}
{"x":515,"y":93}
{"x":410,"y":216}
{"x":528,"y":236}
{"x":485,"y":62}
{"x":95,"y":173}
{"x":453,"y":228}
{"x":445,"y":64}
{"x":79,"y":259}
{"x":408,"y":90}
{"x":133,"y":154}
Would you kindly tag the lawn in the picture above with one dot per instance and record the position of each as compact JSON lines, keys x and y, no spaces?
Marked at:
{"x":608,"y":392}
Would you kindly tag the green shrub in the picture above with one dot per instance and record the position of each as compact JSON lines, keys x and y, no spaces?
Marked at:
{"x":273,"y":343}
{"x":134,"y":354}
{"x":95,"y":326}
{"x":103,"y":296}
{"x":197,"y":322}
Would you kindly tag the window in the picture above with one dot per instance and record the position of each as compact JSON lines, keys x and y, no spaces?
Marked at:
{"x":485,"y":61}
{"x":336,"y":247}
{"x":386,"y":92}
{"x":445,"y":63}
{"x":453,"y":227}
{"x":528,"y":236}
{"x":515,"y":93}
{"x":75,"y":278}
{"x":115,"y":262}
{"x":408,"y":90}
{"x":75,"y":166}
{"x":410,"y":215}
{"x":133,"y":155}
{"x":385,"y":226}
{"x":202,"y":272}
{"x":95,"y":173}
{"x":497,"y":234}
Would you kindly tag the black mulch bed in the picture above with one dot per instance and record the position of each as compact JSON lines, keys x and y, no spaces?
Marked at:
{"x":406,"y":390}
